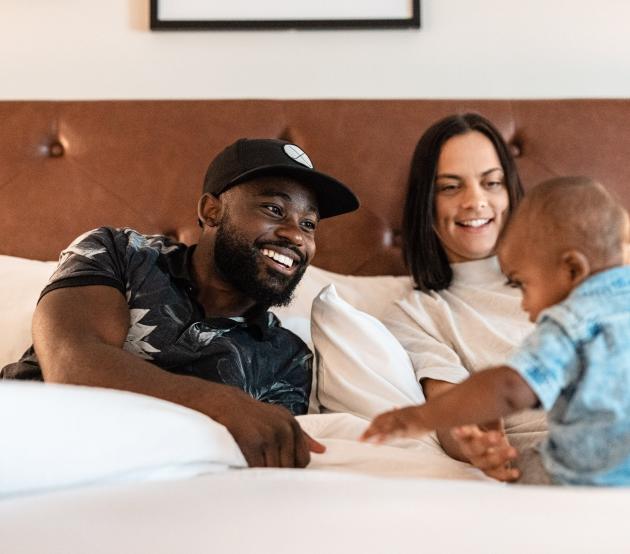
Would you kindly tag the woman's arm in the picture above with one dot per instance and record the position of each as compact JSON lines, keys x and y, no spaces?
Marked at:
{"x":486,"y":446}
{"x":420,"y":324}
{"x":451,"y":445}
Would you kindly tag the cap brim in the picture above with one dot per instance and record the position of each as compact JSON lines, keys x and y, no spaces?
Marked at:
{"x":333,"y":197}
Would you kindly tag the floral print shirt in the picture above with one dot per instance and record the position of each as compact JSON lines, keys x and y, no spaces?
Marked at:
{"x":168,"y":327}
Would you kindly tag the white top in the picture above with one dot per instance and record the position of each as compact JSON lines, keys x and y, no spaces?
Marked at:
{"x":474,"y":324}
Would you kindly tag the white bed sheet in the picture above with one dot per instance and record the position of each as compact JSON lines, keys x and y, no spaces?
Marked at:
{"x":309,"y":511}
{"x":402,"y":458}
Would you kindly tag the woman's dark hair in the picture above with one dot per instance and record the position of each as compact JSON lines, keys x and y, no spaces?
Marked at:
{"x":424,"y":255}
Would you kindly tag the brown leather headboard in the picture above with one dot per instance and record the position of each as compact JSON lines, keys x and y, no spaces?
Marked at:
{"x":67,"y":167}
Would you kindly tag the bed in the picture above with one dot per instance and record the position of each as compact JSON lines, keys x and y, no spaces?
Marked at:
{"x":90,"y":470}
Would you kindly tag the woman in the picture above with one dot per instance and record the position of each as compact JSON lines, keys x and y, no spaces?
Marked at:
{"x":463,"y":316}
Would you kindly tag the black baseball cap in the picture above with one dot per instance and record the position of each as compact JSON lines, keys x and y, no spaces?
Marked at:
{"x":250,"y":158}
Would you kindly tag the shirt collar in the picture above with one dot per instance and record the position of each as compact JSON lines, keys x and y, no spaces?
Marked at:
{"x":178,"y":262}
{"x":603,"y":282}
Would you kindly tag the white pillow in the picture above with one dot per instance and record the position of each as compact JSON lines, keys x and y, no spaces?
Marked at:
{"x":361,"y":368}
{"x":56,"y":436}
{"x":21,"y":282}
{"x":370,"y":294}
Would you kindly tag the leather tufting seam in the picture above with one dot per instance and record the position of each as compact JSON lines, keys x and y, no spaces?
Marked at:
{"x":116,"y":195}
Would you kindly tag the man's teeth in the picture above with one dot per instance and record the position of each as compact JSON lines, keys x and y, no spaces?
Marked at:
{"x":474,"y":222}
{"x":280,"y":258}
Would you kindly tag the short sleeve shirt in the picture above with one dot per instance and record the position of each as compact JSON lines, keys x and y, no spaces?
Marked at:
{"x":577,"y":361}
{"x":168,"y":327}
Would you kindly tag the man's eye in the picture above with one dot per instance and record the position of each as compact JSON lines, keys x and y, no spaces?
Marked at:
{"x":273,"y":209}
{"x":309,"y":225}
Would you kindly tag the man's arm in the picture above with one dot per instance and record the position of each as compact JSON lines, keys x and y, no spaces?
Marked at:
{"x":484,"y":397}
{"x":78,"y":334}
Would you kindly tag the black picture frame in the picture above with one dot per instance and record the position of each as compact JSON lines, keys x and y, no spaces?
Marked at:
{"x":159,"y":24}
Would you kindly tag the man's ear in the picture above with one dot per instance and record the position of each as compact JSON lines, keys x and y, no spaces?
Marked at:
{"x":209,"y":209}
{"x":577,"y":265}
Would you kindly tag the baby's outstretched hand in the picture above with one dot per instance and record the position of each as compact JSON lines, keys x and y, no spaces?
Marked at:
{"x":406,"y":422}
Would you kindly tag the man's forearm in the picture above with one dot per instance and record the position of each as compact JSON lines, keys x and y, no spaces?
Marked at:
{"x":102,"y":365}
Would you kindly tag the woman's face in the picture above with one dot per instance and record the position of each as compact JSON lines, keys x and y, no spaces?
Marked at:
{"x":471,"y":199}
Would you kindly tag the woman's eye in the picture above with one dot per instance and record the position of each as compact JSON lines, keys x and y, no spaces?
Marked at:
{"x":494,"y":184}
{"x":447,"y":187}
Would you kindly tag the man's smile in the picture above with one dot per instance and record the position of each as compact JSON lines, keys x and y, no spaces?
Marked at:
{"x":282,"y":259}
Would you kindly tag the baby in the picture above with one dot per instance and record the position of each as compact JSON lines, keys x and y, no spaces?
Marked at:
{"x":564,"y":248}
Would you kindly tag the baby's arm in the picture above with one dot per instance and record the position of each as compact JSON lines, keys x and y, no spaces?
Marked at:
{"x":484,"y":397}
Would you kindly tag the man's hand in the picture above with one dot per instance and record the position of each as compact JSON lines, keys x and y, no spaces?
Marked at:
{"x":406,"y":422}
{"x":268,"y":435}
{"x":488,"y":450}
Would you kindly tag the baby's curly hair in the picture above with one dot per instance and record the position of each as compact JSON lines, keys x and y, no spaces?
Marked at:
{"x":575,"y":213}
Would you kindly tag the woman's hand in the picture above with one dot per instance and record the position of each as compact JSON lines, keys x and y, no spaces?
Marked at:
{"x":488,"y":449}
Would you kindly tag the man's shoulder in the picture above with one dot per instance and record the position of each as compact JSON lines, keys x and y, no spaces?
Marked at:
{"x":139,"y":249}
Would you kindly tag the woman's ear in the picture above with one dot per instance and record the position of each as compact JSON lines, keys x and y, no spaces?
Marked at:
{"x":577,"y":265}
{"x":209,"y":210}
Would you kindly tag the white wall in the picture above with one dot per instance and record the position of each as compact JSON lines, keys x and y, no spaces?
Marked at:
{"x":87,"y":49}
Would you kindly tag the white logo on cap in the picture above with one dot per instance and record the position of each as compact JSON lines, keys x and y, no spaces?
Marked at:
{"x":297,"y":154}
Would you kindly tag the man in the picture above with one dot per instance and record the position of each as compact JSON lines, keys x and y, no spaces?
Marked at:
{"x":190,"y":324}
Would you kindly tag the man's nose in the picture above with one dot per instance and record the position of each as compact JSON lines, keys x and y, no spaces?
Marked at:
{"x":290,"y":230}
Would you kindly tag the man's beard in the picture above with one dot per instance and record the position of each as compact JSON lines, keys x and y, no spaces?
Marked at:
{"x":239,"y":264}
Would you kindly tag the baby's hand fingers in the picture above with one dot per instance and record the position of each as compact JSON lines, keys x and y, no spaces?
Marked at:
{"x":382,"y":428}
{"x":397,"y":423}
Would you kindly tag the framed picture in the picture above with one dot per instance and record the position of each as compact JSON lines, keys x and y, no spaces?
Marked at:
{"x":284,"y":14}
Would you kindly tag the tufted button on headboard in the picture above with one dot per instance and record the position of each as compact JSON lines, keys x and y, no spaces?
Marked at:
{"x":66,"y":167}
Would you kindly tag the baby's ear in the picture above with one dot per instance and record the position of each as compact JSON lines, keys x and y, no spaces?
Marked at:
{"x":577,"y":265}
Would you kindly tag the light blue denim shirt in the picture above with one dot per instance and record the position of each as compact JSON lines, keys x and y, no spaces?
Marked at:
{"x":577,"y":361}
